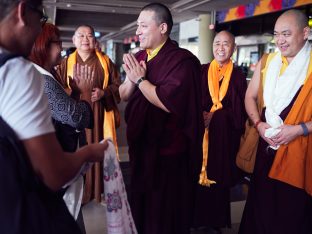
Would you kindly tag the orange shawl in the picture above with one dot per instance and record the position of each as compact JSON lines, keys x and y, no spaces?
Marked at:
{"x":217,"y":94}
{"x":293,"y":162}
{"x":109,"y":129}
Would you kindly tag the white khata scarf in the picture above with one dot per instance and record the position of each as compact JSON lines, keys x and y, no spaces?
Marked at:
{"x":280,"y":90}
{"x":118,"y":214}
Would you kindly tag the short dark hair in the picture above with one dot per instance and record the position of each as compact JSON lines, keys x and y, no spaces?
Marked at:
{"x":86,"y":26}
{"x":162,"y":14}
{"x":7,"y":5}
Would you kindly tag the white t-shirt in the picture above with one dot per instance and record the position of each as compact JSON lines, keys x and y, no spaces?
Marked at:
{"x":23,"y":104}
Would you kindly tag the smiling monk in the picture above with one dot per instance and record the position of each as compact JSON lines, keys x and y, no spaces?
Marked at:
{"x":164,"y":125}
{"x":223,"y":92}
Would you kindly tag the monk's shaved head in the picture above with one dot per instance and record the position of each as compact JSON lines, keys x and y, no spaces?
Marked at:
{"x":296,"y":16}
{"x":85,"y":26}
{"x":223,"y":47}
{"x":162,"y":14}
{"x":291,"y":32}
{"x":230,"y":35}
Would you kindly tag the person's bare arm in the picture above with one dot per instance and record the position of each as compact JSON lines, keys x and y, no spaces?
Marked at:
{"x":54,"y":166}
{"x":252,"y":96}
{"x":126,"y":89}
{"x":251,"y":104}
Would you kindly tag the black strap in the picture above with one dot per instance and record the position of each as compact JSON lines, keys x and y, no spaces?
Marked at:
{"x":5,"y":57}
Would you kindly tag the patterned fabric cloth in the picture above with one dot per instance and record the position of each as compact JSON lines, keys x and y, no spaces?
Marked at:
{"x":65,"y":109}
{"x":118,"y":213}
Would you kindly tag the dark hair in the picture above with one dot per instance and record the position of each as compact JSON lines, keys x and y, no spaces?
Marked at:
{"x":162,"y":14}
{"x":39,"y":52}
{"x":7,"y":5}
{"x":86,"y":26}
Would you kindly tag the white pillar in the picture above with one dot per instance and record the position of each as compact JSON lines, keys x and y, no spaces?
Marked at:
{"x":205,"y":37}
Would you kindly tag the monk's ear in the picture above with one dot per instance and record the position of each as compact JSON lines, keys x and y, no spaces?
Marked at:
{"x":163,"y":28}
{"x":306,"y":32}
{"x":234,"y":47}
{"x":74,"y":39}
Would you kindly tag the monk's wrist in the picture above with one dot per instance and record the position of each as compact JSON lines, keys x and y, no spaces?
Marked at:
{"x":138,"y":82}
{"x":85,"y":96}
{"x":304,"y":129}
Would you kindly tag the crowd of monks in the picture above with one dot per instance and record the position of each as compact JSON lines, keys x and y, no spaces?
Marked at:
{"x":185,"y":122}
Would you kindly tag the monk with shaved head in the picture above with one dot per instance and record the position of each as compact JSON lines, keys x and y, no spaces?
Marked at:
{"x":103,"y":98}
{"x":164,"y":126}
{"x":279,"y":199}
{"x":223,"y":92}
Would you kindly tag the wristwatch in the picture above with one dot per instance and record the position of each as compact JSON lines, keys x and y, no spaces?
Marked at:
{"x":139,"y":81}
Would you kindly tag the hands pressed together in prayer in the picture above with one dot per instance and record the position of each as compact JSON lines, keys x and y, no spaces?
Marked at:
{"x":286,"y":135}
{"x":207,"y":118}
{"x":133,"y":68}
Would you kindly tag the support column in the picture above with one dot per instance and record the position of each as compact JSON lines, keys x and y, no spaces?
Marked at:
{"x":205,"y":37}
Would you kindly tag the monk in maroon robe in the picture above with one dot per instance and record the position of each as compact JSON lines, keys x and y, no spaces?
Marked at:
{"x":164,"y":126}
{"x":225,"y":127}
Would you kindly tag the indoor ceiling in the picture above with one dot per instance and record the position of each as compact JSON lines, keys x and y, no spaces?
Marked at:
{"x":116,"y":19}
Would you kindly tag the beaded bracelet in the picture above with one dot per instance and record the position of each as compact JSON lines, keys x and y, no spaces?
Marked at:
{"x":305,"y":129}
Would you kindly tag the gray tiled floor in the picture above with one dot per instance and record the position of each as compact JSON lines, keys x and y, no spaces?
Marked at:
{"x":95,"y":219}
{"x":95,"y":223}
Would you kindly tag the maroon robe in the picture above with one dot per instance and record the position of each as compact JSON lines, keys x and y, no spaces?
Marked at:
{"x":226,"y":127}
{"x":164,"y":147}
{"x":274,"y":207}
